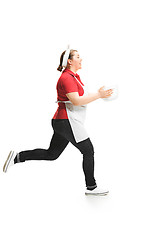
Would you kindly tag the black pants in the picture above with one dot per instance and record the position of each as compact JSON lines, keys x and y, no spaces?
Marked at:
{"x":62,"y":136}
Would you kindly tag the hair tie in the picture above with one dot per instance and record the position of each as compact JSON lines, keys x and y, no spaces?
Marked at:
{"x":65,"y":57}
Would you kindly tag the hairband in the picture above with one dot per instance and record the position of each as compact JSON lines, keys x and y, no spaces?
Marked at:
{"x":65,"y":57}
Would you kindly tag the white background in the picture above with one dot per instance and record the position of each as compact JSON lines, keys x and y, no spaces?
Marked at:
{"x":119,"y":44}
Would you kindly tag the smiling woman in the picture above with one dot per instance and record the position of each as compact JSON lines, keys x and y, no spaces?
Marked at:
{"x":68,"y":121}
{"x":70,"y":54}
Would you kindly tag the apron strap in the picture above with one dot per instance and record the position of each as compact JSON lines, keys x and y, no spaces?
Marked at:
{"x":79,"y":82}
{"x":63,"y":101}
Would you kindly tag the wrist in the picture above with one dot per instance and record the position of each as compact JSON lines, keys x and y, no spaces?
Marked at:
{"x":98,"y":95}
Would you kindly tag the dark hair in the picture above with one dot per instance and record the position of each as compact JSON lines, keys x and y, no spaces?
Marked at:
{"x":60,"y":68}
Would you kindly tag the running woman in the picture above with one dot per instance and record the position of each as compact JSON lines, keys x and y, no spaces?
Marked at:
{"x":68,"y":122}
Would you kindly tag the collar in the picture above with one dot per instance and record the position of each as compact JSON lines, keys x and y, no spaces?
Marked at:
{"x":71,"y":73}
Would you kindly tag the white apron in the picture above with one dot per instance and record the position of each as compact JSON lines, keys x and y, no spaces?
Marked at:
{"x":76,"y":117}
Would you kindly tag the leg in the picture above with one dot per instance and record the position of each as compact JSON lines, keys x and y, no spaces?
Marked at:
{"x":86,"y":148}
{"x":57,"y":145}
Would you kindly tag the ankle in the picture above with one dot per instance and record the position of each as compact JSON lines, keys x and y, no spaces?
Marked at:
{"x":91,"y":187}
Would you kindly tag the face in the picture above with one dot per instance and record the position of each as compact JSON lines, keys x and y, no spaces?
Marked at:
{"x":75,"y":62}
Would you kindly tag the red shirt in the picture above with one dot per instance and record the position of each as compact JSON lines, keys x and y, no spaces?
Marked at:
{"x":66,"y":84}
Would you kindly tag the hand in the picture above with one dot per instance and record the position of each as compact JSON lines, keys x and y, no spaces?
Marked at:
{"x":105,"y":93}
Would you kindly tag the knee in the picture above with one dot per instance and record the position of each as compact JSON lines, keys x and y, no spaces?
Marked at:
{"x":52,"y":155}
{"x":88,"y":149}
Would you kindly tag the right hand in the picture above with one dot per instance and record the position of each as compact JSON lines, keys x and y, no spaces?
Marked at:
{"x":105,"y":93}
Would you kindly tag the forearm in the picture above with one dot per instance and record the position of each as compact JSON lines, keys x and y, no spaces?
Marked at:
{"x":90,"y":97}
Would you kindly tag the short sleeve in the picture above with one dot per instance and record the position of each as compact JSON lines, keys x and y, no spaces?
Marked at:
{"x":69,"y":85}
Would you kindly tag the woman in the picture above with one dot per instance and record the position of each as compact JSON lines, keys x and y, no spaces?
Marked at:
{"x":68,"y":122}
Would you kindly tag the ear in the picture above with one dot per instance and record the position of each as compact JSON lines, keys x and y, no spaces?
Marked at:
{"x":69,"y":61}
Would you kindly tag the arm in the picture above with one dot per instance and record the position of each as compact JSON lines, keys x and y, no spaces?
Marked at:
{"x":83,"y":100}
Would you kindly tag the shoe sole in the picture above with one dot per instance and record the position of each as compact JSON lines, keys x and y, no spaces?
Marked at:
{"x":7,"y":162}
{"x":97,"y":194}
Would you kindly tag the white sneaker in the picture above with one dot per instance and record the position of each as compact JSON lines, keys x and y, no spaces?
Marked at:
{"x":96,"y":192}
{"x":10,"y":161}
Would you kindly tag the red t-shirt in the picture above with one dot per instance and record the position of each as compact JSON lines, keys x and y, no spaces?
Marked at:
{"x":66,"y":84}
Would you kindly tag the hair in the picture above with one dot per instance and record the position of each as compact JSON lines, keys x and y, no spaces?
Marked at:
{"x":60,"y":68}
